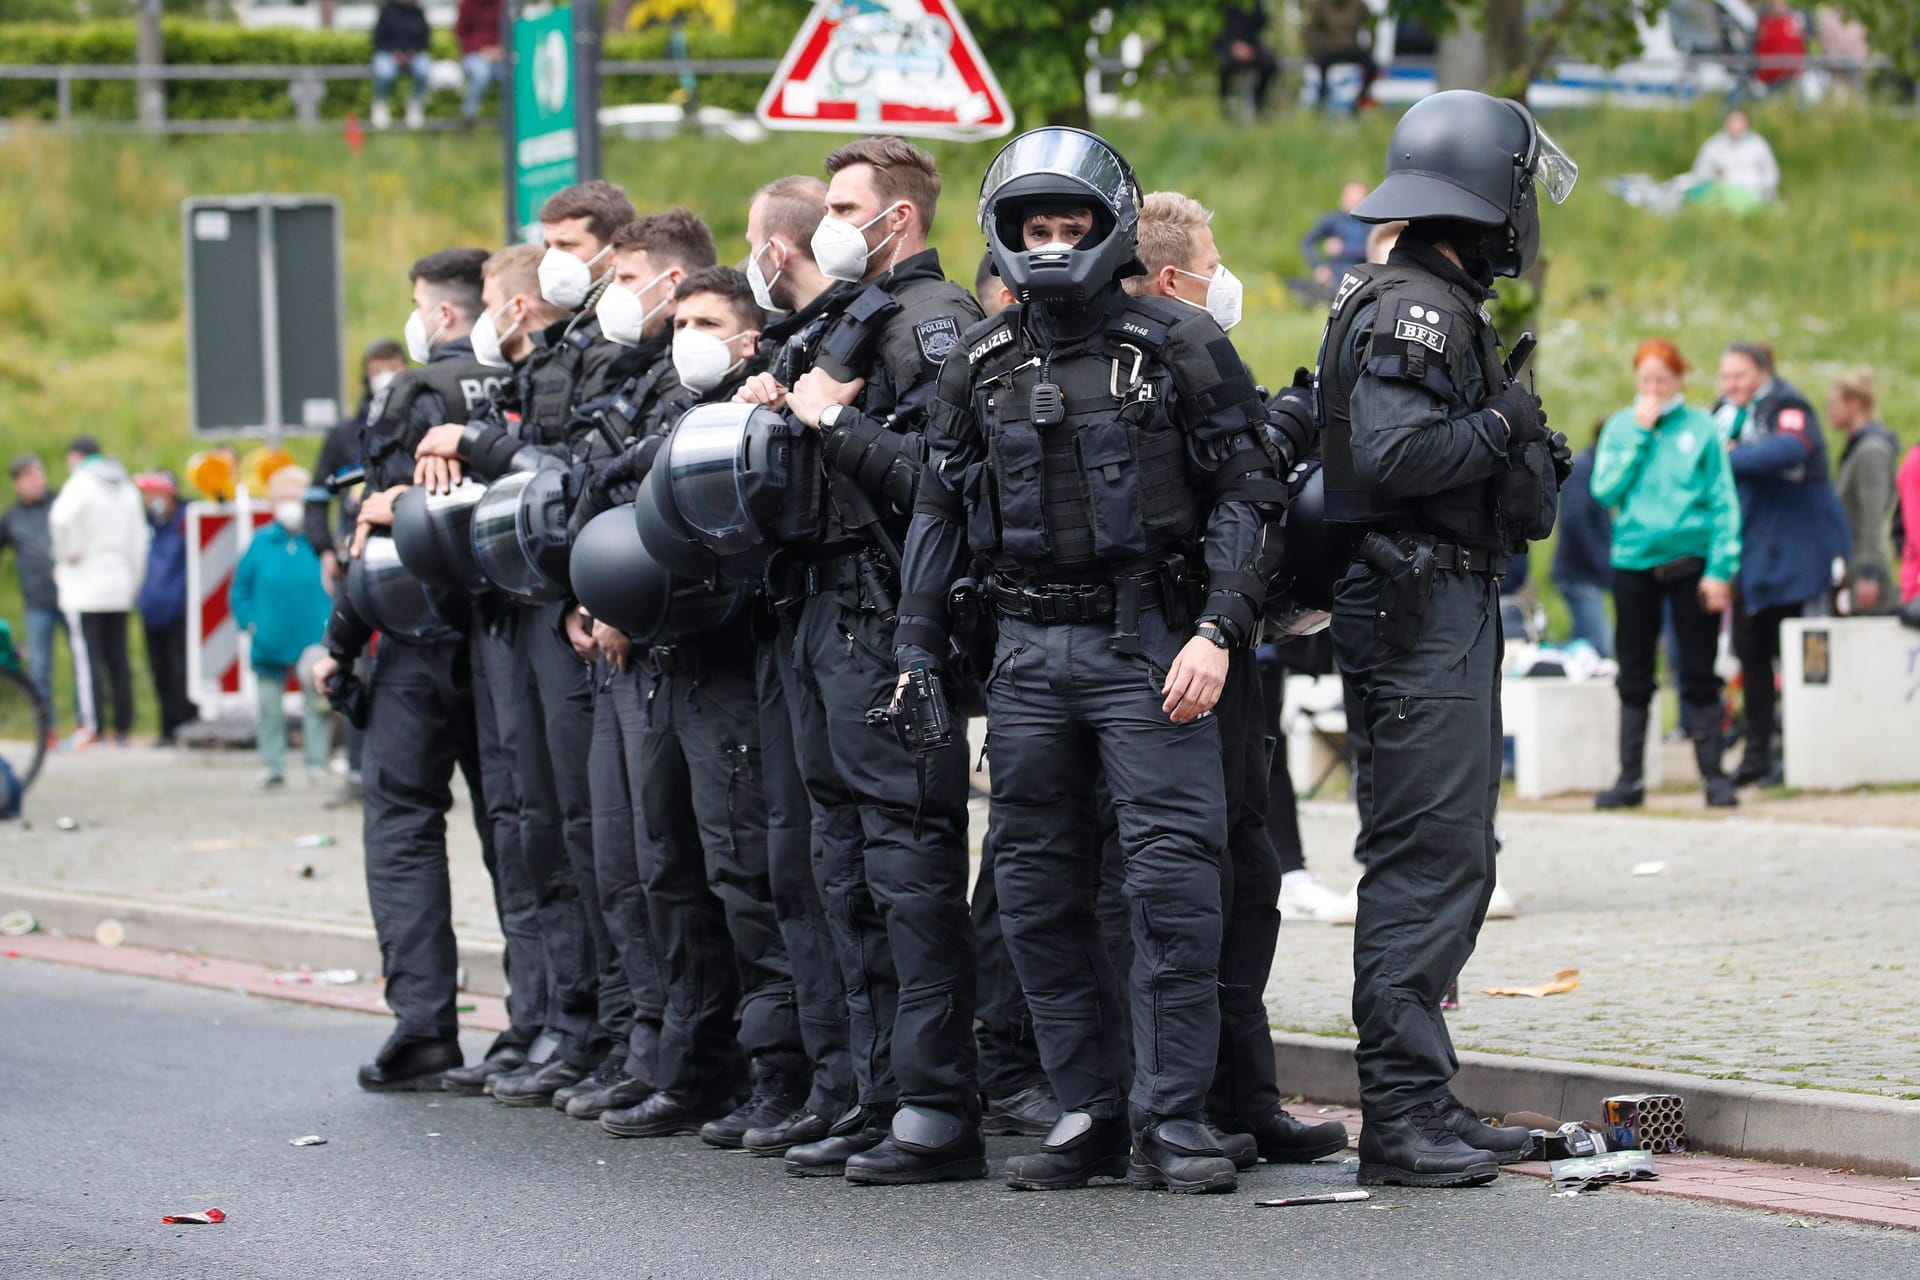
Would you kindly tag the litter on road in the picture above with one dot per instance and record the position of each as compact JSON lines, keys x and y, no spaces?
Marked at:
{"x":308,"y":1140}
{"x":1336,"y":1197}
{"x":196,"y":1219}
{"x":1563,"y":981}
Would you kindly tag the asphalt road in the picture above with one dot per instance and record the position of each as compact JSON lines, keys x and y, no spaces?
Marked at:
{"x":126,"y":1099}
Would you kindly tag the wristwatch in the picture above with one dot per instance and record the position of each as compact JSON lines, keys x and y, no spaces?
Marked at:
{"x":830,"y":416}
{"x":1214,"y":633}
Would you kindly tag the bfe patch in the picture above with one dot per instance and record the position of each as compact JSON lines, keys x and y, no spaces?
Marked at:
{"x":1426,"y":325}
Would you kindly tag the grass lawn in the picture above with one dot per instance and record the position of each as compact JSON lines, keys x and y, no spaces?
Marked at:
{"x":90,"y":250}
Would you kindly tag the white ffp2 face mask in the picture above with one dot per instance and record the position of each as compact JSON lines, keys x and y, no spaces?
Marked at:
{"x":840,"y":248}
{"x":487,"y":339}
{"x":760,"y":282}
{"x":290,"y":514}
{"x":565,"y":280}
{"x":623,"y":317}
{"x":1225,"y":294}
{"x":419,"y":341}
{"x":703,"y":361}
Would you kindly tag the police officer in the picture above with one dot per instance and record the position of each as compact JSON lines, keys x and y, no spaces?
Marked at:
{"x":889,"y":830}
{"x":1083,"y":443}
{"x":1183,"y":264}
{"x":1439,"y":461}
{"x":569,"y":361}
{"x":421,"y":723}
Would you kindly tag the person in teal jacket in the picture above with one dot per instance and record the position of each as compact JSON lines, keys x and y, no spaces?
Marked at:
{"x":278,"y":600}
{"x":1662,"y":469}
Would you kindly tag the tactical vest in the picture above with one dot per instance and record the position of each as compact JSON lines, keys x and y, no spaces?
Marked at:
{"x":549,"y":382}
{"x":465,"y":386}
{"x":1099,"y":479}
{"x":1446,"y":355}
{"x":845,"y":343}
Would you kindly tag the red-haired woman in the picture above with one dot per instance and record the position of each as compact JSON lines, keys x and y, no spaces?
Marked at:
{"x":1661,"y":468}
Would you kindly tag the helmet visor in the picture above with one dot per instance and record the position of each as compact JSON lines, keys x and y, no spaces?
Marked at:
{"x":705,"y":458}
{"x":1078,"y":156}
{"x":1551,"y":167}
{"x":388,"y":596}
{"x":498,"y":543}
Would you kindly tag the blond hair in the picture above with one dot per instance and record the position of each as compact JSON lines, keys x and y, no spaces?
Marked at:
{"x":1169,"y":230}
{"x":1857,"y":386}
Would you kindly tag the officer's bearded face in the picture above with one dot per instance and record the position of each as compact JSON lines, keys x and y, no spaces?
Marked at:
{"x":442,"y":318}
{"x":573,"y":235}
{"x":649,"y":280}
{"x":1069,"y":227}
{"x":713,"y":313}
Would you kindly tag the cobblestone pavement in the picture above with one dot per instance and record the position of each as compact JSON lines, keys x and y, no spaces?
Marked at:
{"x":1770,"y":950}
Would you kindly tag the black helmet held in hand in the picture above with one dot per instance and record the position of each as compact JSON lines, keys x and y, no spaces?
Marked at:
{"x":620,"y":583}
{"x":1464,"y":157}
{"x":520,"y":534}
{"x":433,"y":533}
{"x":1060,"y":170}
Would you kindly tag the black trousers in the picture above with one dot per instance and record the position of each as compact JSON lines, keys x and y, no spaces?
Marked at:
{"x":1003,"y":1031}
{"x":1432,"y":715}
{"x":890,"y":845}
{"x":728,"y":982}
{"x":167,"y":664}
{"x":109,"y":672}
{"x":819,"y":993}
{"x":1063,"y":707}
{"x":529,"y":985}
{"x":1639,"y":603}
{"x":1756,"y":639}
{"x":553,"y":713}
{"x":1283,"y":807}
{"x":1244,"y":1084}
{"x":420,"y":728}
{"x":614,"y":763}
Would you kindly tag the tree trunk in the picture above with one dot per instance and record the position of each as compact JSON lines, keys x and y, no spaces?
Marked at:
{"x":1506,"y":43}
{"x":1460,"y":61}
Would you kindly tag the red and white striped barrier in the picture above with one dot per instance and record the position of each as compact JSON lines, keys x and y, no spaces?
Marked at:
{"x":217,"y":535}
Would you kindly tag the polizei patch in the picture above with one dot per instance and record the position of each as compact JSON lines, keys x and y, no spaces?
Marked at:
{"x":992,"y":342}
{"x":937,"y":338}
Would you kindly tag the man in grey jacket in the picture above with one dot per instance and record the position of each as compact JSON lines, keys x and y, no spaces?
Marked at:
{"x":1865,"y":485}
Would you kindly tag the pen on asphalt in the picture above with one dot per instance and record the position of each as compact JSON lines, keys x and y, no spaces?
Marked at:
{"x":1337,"y":1197}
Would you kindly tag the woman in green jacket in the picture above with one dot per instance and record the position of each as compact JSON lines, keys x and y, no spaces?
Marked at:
{"x":1663,"y":472}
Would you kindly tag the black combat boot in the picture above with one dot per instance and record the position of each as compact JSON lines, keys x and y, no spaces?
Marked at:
{"x":1630,"y":792}
{"x":1281,"y":1139}
{"x":1078,"y":1147}
{"x":1174,"y":1153}
{"x":407,"y":1065}
{"x":1029,"y":1113}
{"x":662,"y":1115}
{"x":1507,"y":1143}
{"x":777,"y":1139}
{"x":923,"y":1145}
{"x":625,"y":1090}
{"x":1421,"y":1149}
{"x":536,"y":1088}
{"x":612,"y":1067}
{"x":1757,"y":765}
{"x":1702,"y":722}
{"x":857,"y":1129}
{"x":775,"y":1096}
{"x":472,"y":1081}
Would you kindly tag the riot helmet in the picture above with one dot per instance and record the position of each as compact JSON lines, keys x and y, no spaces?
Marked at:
{"x":434,"y":534}
{"x":387,"y":596}
{"x":1056,"y":170}
{"x":520,"y":535}
{"x":622,"y":585}
{"x":1467,"y":158}
{"x":721,"y":488}
{"x":1313,"y":557}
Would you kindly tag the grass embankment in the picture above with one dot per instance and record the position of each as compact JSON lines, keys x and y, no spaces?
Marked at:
{"x":90,"y":257}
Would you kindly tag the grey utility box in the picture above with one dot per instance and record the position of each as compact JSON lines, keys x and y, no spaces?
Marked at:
{"x":265,"y":308}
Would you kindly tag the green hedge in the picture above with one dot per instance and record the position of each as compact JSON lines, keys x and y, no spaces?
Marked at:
{"x":190,"y":42}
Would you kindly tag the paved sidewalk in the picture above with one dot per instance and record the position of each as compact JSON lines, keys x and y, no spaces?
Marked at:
{"x":1776,"y":952}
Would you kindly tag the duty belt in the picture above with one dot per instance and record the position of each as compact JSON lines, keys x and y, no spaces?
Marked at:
{"x":1067,"y":603}
{"x":1449,"y":557}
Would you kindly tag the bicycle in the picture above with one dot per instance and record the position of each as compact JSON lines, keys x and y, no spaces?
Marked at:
{"x":26,"y":724}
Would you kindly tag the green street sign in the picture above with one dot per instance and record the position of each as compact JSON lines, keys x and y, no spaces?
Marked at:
{"x":546,"y":147}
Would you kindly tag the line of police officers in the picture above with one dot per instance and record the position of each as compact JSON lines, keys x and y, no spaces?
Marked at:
{"x":693,"y":596}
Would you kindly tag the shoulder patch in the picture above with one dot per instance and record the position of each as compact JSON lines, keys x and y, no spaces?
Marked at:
{"x":1000,"y":337}
{"x":1349,"y":285}
{"x":1794,"y":420}
{"x":1419,"y":322}
{"x":937,"y":338}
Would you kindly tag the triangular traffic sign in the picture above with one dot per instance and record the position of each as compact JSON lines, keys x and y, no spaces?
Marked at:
{"x":886,"y":66}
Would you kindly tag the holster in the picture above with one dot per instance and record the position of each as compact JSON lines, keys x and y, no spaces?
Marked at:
{"x":1407,"y":567}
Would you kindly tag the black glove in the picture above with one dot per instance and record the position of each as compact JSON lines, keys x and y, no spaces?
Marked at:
{"x":1526,"y":417}
{"x":1290,"y":421}
{"x":1562,"y":456}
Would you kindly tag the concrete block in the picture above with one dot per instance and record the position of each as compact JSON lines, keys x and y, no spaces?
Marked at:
{"x":1566,"y":735}
{"x":1316,"y":1067}
{"x":1849,"y":688}
{"x":1817,"y":1126}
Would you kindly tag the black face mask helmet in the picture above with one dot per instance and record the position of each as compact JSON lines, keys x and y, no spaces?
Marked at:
{"x":1469,"y":158}
{"x":1057,"y":170}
